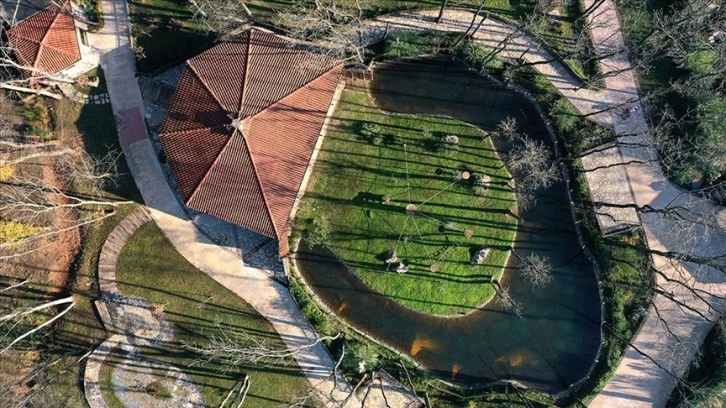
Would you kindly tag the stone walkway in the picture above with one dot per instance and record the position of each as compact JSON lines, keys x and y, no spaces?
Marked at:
{"x":268,"y":297}
{"x":627,"y":177}
{"x":72,"y":93}
{"x":133,"y":322}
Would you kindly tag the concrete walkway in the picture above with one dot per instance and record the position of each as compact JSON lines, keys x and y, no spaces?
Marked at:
{"x":628,"y":178}
{"x":134,"y":322}
{"x":269,"y":298}
{"x":639,"y":380}
{"x":492,"y":34}
{"x":691,"y":295}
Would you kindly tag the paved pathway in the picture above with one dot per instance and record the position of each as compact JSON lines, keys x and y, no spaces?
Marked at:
{"x":638,"y":378}
{"x":628,"y":175}
{"x":134,"y":322}
{"x":493,"y":33}
{"x":671,"y":333}
{"x":269,"y":298}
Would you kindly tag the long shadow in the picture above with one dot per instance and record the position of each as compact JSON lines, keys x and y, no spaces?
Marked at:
{"x":555,"y":341}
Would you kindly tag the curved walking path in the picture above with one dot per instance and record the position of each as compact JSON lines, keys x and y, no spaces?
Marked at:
{"x":268,"y":297}
{"x":673,"y":330}
{"x":640,"y":378}
{"x":133,"y":322}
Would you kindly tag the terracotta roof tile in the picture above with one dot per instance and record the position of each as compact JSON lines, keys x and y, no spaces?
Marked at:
{"x":25,"y":48}
{"x":276,"y":69}
{"x":191,"y":153}
{"x":241,"y":203}
{"x":281,"y":140}
{"x":46,"y":40}
{"x":280,"y":94}
{"x":223,"y":69}
{"x":192,"y":106}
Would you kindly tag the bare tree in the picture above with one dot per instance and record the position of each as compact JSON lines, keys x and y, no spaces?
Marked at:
{"x":23,"y":78}
{"x":15,"y":317}
{"x":221,"y":16}
{"x":533,"y":163}
{"x":537,"y":270}
{"x":337,"y":25}
{"x":54,"y":209}
{"x":505,"y":300}
{"x":236,"y":347}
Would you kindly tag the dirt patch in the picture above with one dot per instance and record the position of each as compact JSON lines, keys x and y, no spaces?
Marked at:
{"x":45,"y":264}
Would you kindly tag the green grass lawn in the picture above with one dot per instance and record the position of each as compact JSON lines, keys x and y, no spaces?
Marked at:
{"x":352,"y":174}
{"x":166,"y":32}
{"x":149,"y":267}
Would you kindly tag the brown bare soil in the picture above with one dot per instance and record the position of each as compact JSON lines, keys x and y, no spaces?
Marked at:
{"x":46,"y":264}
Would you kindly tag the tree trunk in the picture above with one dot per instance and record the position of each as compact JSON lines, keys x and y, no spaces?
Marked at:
{"x":441,"y":11}
{"x":29,"y":90}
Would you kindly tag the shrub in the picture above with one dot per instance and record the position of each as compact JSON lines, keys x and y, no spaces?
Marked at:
{"x":40,"y":132}
{"x":13,"y":231}
{"x":565,"y":115}
{"x":360,"y":358}
{"x":480,"y":56}
{"x":373,"y":132}
{"x":402,"y":44}
{"x":319,"y":231}
{"x":158,"y":390}
{"x":6,"y":172}
{"x":34,"y":113}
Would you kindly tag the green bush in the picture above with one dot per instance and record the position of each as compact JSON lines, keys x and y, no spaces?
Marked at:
{"x":401,"y":44}
{"x":701,"y":62}
{"x":319,"y":231}
{"x":372,"y":131}
{"x":565,"y":116}
{"x":44,"y":134}
{"x":34,"y":113}
{"x":359,"y":357}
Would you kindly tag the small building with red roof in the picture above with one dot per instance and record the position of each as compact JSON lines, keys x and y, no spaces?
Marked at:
{"x":47,"y":40}
{"x":242,"y":128}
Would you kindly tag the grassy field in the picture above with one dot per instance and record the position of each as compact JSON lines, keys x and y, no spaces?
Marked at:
{"x":150,"y":268}
{"x":353,"y":173}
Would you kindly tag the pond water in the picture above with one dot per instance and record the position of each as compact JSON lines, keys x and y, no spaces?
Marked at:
{"x":555,"y":341}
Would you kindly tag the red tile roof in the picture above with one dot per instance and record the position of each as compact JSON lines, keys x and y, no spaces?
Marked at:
{"x":46,"y":40}
{"x":250,"y":175}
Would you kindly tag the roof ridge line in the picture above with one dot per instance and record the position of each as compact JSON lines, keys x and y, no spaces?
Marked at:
{"x":181,"y":131}
{"x":247,"y":71}
{"x":252,"y":157}
{"x":293,"y":92}
{"x":41,"y":48}
{"x":50,"y":26}
{"x":204,"y":84}
{"x":55,"y":20}
{"x":216,"y":159}
{"x":262,"y":189}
